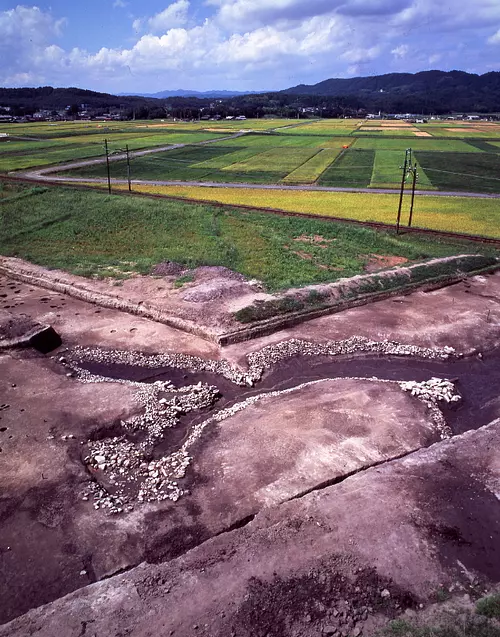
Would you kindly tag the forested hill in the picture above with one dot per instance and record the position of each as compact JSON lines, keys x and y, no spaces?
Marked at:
{"x":426,"y":91}
{"x":49,"y":97}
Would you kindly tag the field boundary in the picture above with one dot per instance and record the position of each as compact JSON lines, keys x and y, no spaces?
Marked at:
{"x":48,"y":280}
{"x":277,"y":323}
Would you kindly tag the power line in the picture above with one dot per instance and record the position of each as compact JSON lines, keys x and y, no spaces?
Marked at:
{"x":449,"y":172}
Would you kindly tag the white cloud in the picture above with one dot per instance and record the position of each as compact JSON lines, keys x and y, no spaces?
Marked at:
{"x":27,"y":24}
{"x":254,"y":44}
{"x":495,"y":38}
{"x":175,"y":15}
{"x":119,"y":4}
{"x":400,"y":51}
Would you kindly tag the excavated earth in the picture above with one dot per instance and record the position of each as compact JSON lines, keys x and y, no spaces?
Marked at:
{"x":153,"y":483}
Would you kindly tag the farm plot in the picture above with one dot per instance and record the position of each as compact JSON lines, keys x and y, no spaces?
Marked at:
{"x":387,"y":171}
{"x":274,"y":160}
{"x":461,"y":129}
{"x":60,"y":150}
{"x":249,"y":159}
{"x":428,"y":144}
{"x":353,"y":169}
{"x":309,"y":172}
{"x":474,"y":172}
{"x":325,"y":127}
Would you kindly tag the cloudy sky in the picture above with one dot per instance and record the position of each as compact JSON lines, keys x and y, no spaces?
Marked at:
{"x":153,"y":45}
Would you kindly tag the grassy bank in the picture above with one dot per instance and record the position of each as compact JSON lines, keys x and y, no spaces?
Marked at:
{"x":91,"y":233}
{"x":452,"y":214}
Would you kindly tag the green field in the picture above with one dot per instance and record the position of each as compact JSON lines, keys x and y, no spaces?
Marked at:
{"x":91,"y":233}
{"x":16,"y":155}
{"x":454,"y":156}
{"x":477,"y":216}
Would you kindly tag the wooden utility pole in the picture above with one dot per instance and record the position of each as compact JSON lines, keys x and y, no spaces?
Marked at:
{"x":415,"y":177}
{"x":128,"y":169}
{"x":107,"y":165}
{"x":403,"y":179}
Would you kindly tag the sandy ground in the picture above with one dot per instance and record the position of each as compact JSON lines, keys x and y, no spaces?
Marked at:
{"x":410,"y":525}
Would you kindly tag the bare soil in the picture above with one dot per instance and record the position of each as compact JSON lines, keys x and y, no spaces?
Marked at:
{"x":380,"y":262}
{"x":286,"y":530}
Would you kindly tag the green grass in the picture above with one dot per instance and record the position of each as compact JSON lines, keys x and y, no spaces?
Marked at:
{"x":351,"y":170}
{"x":185,"y":278}
{"x":387,"y":171}
{"x":73,"y":148}
{"x":373,"y":284}
{"x":478,"y":216}
{"x":312,"y":168}
{"x":416,"y":143}
{"x":89,"y":232}
{"x":463,"y":627}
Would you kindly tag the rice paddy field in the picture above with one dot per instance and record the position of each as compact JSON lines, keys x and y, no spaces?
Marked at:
{"x":475,"y":216}
{"x":332,"y":153}
{"x":450,"y":156}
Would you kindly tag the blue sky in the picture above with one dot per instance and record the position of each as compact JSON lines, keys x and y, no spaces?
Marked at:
{"x":130,"y":46}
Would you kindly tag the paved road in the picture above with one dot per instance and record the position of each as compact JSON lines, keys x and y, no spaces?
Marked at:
{"x":46,"y":174}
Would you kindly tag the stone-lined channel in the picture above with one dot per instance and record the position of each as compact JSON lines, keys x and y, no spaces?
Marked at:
{"x":143,"y":459}
{"x":477,"y":379}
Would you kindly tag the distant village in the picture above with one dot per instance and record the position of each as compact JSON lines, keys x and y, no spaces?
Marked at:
{"x":85,"y":112}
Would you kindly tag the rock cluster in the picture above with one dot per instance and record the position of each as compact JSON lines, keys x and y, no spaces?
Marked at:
{"x":434,"y":389}
{"x":122,"y":464}
{"x":272,"y":354}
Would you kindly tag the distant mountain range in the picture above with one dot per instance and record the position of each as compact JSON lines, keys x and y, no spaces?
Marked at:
{"x":427,"y":92}
{"x":186,"y":93}
{"x":455,"y":90}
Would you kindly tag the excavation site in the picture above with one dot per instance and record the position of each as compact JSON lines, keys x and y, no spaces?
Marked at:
{"x":333,"y":475}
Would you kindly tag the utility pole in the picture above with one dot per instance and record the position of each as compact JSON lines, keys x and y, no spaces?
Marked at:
{"x":107,"y":165}
{"x":128,"y":169}
{"x":415,"y":177}
{"x":403,"y":179}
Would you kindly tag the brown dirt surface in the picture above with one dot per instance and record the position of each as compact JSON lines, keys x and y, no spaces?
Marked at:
{"x":211,"y":312}
{"x":380,"y":262}
{"x":48,"y":538}
{"x":168,"y":268}
{"x":422,"y":134}
{"x":314,"y":239}
{"x":346,"y":558}
{"x":285,"y":531}
{"x":86,"y":324}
